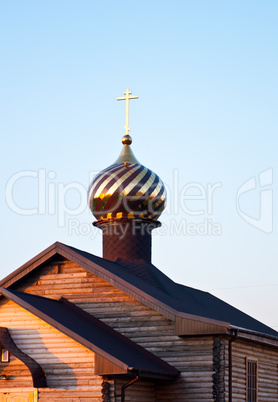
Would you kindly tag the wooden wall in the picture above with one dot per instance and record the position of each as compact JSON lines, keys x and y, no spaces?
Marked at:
{"x":17,"y":374}
{"x":267,"y":360}
{"x":141,"y":391}
{"x":73,"y":370}
{"x":67,"y":364}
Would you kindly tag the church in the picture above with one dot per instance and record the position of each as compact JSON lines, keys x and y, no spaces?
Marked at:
{"x":78,"y":327}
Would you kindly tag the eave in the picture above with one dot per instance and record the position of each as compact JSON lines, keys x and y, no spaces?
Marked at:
{"x":115,"y":353}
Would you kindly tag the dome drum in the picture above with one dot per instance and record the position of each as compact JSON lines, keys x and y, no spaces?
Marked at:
{"x":128,"y":240}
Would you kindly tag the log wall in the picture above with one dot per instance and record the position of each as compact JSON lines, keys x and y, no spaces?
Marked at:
{"x":70,"y":367}
{"x":137,"y":392}
{"x":67,"y":364}
{"x":267,"y":361}
{"x":17,"y":374}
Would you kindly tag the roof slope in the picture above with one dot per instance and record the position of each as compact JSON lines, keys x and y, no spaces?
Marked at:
{"x":182,"y":298}
{"x":92,"y":333}
{"x":149,"y":283}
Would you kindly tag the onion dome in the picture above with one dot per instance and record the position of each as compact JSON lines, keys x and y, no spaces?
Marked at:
{"x":126,"y":190}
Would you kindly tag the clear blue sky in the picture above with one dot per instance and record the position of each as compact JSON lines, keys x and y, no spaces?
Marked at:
{"x":206,"y":76}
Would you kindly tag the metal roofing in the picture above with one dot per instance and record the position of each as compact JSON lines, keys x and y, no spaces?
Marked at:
{"x":93,"y":334}
{"x":148,"y":282}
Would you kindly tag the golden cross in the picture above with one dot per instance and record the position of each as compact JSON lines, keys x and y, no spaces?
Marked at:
{"x":126,"y":98}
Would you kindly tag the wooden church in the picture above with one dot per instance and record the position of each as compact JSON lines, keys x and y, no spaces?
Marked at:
{"x":77,"y":327}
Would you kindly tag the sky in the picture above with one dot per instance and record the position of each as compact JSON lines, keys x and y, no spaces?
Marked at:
{"x":206,"y":122}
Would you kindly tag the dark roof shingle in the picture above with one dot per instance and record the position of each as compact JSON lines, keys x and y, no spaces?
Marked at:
{"x":181,"y":298}
{"x":150,"y":282}
{"x":92,"y":333}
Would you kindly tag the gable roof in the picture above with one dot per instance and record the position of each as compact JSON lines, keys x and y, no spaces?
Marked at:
{"x":149,"y":285}
{"x":125,"y":355}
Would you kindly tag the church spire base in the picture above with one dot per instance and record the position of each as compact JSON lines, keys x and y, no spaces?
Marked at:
{"x":127,"y":239}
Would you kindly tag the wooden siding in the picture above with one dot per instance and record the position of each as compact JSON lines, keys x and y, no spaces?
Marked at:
{"x":17,"y":374}
{"x":267,"y":359}
{"x":149,"y":328}
{"x":141,"y":391}
{"x":75,"y":283}
{"x":185,"y":326}
{"x":73,"y":395}
{"x":193,"y":357}
{"x":67,"y":364}
{"x":104,"y":366}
